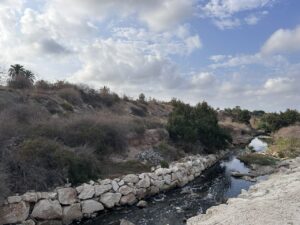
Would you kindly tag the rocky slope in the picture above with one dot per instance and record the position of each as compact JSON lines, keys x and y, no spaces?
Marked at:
{"x":275,"y":201}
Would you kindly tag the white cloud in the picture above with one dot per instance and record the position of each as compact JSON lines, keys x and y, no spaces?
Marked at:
{"x":226,"y":8}
{"x":282,"y":41}
{"x":246,"y":60}
{"x":227,"y":23}
{"x":252,"y":19}
{"x":203,"y":80}
{"x":223,"y":12}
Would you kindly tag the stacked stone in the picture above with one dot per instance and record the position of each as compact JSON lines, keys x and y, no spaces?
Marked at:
{"x":68,"y":204}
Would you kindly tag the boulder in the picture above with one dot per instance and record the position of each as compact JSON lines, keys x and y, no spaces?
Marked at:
{"x":167,"y":179}
{"x":87,"y":192}
{"x":47,"y":195}
{"x":47,"y":210}
{"x":125,"y":222}
{"x":30,"y":197}
{"x":115,"y":185}
{"x":67,"y":196}
{"x":28,"y":222}
{"x":144,"y":183}
{"x":50,"y":222}
{"x":14,"y":213}
{"x":125,"y":190}
{"x":109,"y":200}
{"x":72,"y":212}
{"x":141,"y":193}
{"x":129,"y":199}
{"x":105,"y":182}
{"x":153,"y":190}
{"x":131,"y":178}
{"x":14,"y":199}
{"x":91,"y":206}
{"x":142,"y":204}
{"x":158,"y":183}
{"x":121,"y":183}
{"x":100,"y":189}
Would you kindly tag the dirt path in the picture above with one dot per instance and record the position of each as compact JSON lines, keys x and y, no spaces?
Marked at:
{"x":275,"y":201}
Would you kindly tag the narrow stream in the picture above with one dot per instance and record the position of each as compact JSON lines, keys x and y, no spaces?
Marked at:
{"x":213,"y":187}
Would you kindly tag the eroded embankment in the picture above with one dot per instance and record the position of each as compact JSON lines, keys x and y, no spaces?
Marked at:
{"x":66,"y":204}
{"x":275,"y":201}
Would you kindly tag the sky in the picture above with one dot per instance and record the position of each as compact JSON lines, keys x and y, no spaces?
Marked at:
{"x":225,"y":52}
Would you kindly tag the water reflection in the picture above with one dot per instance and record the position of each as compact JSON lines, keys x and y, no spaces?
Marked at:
{"x":173,"y":207}
{"x":258,"y":145}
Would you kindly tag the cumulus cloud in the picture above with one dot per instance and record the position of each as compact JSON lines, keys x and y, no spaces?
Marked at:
{"x":283,"y":41}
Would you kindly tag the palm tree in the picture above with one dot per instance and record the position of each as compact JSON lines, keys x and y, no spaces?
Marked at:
{"x":15,"y":70}
{"x":29,"y":75}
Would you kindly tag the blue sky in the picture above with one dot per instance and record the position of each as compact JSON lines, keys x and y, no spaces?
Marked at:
{"x":226,"y":52}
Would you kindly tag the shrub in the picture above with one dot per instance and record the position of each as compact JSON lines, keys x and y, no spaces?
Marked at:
{"x":164,"y":164}
{"x":66,"y":106}
{"x":142,"y":98}
{"x":53,"y":163}
{"x":271,"y":122}
{"x":259,"y":159}
{"x":43,"y":85}
{"x":71,"y":95}
{"x":193,"y":124}
{"x":238,"y":114}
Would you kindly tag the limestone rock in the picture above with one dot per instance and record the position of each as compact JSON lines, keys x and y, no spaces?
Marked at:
{"x":87,"y":192}
{"x":50,"y":222}
{"x":144,"y":183}
{"x":47,"y":195}
{"x":105,"y":182}
{"x":131,"y":178}
{"x":28,"y":222}
{"x":115,"y":185}
{"x":125,"y":190}
{"x":47,"y":209}
{"x":142,"y":204}
{"x":72,"y":212}
{"x":30,"y":197}
{"x":67,"y":196}
{"x":14,"y":213}
{"x":125,"y":222}
{"x":91,"y":206}
{"x":109,"y":200}
{"x":14,"y":199}
{"x":129,"y":199}
{"x":141,"y":193}
{"x":100,"y":189}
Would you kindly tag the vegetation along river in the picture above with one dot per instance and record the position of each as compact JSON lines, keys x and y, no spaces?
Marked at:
{"x":213,"y":187}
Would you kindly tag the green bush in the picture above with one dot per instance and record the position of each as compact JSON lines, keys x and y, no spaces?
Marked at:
{"x":193,"y":124}
{"x":54,"y":163}
{"x":238,"y":114}
{"x":164,"y":164}
{"x":271,"y":122}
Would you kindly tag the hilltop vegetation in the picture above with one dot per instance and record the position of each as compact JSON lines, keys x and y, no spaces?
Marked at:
{"x":53,"y":133}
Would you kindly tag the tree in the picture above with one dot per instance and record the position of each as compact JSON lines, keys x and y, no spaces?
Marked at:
{"x":29,"y":75}
{"x":189,"y":124}
{"x":142,"y":97}
{"x":15,"y":71}
{"x":20,"y":77}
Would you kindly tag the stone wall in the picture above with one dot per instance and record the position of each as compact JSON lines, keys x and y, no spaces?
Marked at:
{"x":67,"y":204}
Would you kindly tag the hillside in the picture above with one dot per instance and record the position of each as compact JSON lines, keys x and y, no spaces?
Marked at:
{"x":57,"y":133}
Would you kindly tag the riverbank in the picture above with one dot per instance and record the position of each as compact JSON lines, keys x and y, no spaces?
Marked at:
{"x":66,"y":204}
{"x":275,"y":201}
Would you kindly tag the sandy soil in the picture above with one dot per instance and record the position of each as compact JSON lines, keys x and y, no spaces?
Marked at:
{"x":275,"y":201}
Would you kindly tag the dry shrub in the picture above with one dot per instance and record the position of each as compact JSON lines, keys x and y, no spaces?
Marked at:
{"x":71,"y":95}
{"x":43,"y":85}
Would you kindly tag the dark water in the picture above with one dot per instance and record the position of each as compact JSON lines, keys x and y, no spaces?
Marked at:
{"x":213,"y":187}
{"x":173,"y":207}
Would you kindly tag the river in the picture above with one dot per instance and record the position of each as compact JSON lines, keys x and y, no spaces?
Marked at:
{"x":213,"y":187}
